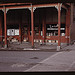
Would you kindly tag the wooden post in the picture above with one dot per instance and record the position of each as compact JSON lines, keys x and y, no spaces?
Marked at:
{"x":72,"y":26}
{"x":44,"y":31}
{"x":5,"y":27}
{"x":44,"y":27}
{"x":68,"y":25}
{"x":59,"y":27}
{"x":32,"y":26}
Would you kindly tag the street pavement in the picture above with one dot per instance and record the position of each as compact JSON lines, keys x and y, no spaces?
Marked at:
{"x":63,"y":61}
{"x":19,"y":61}
{"x":38,"y":60}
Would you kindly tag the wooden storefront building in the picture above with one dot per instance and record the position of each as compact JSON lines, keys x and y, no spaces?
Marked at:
{"x":48,"y":22}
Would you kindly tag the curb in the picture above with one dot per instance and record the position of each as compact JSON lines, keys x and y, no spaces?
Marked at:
{"x":30,"y":49}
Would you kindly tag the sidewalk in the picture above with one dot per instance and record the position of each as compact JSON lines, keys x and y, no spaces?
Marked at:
{"x":24,"y":46}
{"x":61,"y":61}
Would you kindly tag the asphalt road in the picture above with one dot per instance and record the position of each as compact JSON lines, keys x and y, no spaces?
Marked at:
{"x":19,"y":61}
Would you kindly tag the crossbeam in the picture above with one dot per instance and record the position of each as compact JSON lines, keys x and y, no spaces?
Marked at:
{"x":29,"y":6}
{"x":13,"y":4}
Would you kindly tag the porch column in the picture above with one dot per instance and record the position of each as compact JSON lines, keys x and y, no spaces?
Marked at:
{"x":59,"y":27}
{"x":44,"y":27}
{"x":32,"y":26}
{"x":5,"y":27}
{"x":68,"y":26}
{"x":72,"y":23}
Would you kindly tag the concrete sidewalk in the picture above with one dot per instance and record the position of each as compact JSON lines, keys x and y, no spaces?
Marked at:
{"x":24,"y":46}
{"x":61,"y":61}
{"x":69,"y":47}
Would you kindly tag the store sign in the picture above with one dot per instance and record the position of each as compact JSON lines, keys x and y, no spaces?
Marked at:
{"x":16,"y":31}
{"x":12,"y":32}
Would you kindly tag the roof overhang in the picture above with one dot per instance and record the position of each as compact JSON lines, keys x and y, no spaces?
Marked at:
{"x":29,"y":5}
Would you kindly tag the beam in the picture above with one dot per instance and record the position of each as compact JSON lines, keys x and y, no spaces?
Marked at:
{"x":29,"y":6}
{"x":19,"y":7}
{"x":45,"y":5}
{"x":5,"y":4}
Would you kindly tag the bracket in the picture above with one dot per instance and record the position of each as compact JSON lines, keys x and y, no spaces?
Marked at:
{"x":5,"y":9}
{"x":31,"y":8}
{"x":57,"y":6}
{"x":34,"y":9}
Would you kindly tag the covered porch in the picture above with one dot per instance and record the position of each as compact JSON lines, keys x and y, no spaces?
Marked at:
{"x":42,"y":23}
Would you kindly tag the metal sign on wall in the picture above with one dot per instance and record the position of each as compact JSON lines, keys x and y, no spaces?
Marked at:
{"x":16,"y":31}
{"x":12,"y":32}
